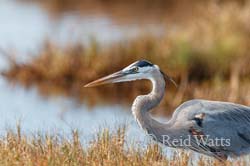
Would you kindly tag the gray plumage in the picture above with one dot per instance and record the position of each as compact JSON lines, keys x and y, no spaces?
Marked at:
{"x":194,"y":120}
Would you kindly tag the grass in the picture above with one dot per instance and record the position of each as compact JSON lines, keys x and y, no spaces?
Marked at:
{"x":208,"y":56}
{"x":107,"y":148}
{"x":64,"y":72}
{"x":204,"y":55}
{"x":121,"y":11}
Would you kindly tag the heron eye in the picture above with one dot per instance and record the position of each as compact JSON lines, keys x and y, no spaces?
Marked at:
{"x":135,"y":69}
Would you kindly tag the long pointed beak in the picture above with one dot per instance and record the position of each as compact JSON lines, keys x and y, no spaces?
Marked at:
{"x":115,"y":77}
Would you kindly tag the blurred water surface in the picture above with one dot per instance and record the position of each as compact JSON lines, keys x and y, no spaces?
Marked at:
{"x":58,"y":115}
{"x":24,"y":27}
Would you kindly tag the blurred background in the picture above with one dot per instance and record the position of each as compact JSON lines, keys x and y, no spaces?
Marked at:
{"x":49,"y":49}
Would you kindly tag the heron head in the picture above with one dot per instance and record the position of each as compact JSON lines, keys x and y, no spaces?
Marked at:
{"x":141,"y":69}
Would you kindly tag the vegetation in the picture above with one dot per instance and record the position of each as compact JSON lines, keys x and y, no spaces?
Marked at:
{"x":207,"y":54}
{"x":122,"y":11}
{"x":207,"y":57}
{"x":106,"y":148}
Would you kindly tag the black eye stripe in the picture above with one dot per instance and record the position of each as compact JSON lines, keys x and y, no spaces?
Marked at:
{"x":133,"y":68}
{"x":143,"y":63}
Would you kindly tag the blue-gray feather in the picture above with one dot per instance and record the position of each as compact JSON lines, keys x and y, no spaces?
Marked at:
{"x":192,"y":119}
{"x":222,"y":120}
{"x":210,"y":118}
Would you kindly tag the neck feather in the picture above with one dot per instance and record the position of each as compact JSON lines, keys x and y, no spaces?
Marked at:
{"x":143,"y":104}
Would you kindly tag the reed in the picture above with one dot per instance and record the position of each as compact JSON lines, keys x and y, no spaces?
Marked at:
{"x":108,"y":147}
{"x":203,"y":56}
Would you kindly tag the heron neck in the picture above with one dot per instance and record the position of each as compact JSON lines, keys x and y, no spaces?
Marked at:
{"x":143,"y":104}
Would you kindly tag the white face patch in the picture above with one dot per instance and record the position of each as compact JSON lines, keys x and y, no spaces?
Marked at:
{"x":139,"y":70}
{"x":142,"y":73}
{"x":156,"y":66}
{"x":145,"y":69}
{"x":129,"y":67}
{"x":140,"y":64}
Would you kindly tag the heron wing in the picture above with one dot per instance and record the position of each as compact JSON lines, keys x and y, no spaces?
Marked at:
{"x":217,"y":120}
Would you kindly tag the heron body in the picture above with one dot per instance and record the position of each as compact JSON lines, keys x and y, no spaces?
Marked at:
{"x":214,"y":128}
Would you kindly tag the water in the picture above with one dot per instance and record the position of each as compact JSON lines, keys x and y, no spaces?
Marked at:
{"x":59,"y":115}
{"x":24,"y":27}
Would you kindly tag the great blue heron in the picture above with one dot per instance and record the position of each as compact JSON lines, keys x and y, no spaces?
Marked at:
{"x":201,"y":123}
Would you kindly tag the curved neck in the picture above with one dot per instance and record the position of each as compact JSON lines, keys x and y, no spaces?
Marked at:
{"x":143,"y":104}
